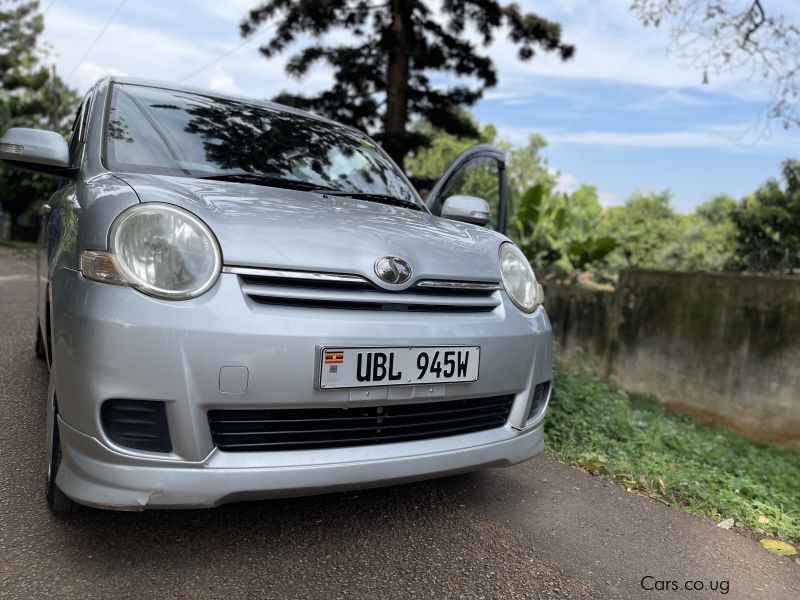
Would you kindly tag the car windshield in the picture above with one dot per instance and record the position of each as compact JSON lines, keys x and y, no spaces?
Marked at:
{"x":168,"y":132}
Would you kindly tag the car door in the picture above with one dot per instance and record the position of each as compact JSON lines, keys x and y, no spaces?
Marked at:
{"x":50,"y":214}
{"x":478,"y":171}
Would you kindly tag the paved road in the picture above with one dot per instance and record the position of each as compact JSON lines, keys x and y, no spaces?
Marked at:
{"x":538,"y":530}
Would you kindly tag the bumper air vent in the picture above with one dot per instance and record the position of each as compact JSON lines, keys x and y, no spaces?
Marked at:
{"x":319,"y":428}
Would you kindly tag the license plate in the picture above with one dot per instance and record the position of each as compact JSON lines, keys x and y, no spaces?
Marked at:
{"x":364,"y":367}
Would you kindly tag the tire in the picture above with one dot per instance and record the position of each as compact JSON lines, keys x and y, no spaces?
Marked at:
{"x":41,"y":354}
{"x":58,"y":501}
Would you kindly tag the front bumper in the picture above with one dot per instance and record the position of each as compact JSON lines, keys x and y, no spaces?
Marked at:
{"x":95,"y":475}
{"x":113,"y":342}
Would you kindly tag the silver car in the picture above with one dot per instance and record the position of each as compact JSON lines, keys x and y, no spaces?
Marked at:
{"x":238,"y":300}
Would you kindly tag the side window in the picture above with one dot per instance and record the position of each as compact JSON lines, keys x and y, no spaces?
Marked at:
{"x":477,"y":177}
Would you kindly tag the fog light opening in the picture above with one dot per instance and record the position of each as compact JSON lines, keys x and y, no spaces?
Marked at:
{"x":137,"y":424}
{"x":540,"y":394}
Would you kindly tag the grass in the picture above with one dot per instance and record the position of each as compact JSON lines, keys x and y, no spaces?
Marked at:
{"x":22,"y":250}
{"x":19,"y":245}
{"x":690,"y":465}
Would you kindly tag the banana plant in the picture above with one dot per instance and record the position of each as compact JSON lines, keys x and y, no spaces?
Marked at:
{"x":556,"y":230}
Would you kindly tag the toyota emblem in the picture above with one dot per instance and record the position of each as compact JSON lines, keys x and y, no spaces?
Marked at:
{"x":393,"y":270}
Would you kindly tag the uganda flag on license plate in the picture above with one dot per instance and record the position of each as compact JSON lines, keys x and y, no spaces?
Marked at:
{"x":334,"y":358}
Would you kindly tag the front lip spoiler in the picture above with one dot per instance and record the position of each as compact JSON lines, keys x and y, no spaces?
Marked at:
{"x":93,"y":475}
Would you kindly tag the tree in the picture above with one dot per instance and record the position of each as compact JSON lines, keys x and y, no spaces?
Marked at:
{"x":383,"y":76}
{"x":426,"y":164}
{"x":20,"y":27}
{"x":558,"y":231}
{"x":525,"y":165}
{"x":646,"y":226}
{"x":707,"y":242}
{"x":728,"y":35}
{"x":27,"y":94}
{"x":768,"y":226}
{"x":651,"y":235}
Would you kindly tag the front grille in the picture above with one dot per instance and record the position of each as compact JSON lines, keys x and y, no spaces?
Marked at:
{"x":319,"y":428}
{"x":353,"y":292}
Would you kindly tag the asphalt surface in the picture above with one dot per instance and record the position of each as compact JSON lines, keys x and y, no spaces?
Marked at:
{"x":537,"y":530}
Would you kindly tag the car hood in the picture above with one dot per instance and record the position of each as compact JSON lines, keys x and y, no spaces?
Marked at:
{"x":259,"y":226}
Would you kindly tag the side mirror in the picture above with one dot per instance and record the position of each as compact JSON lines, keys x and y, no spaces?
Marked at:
{"x":468,"y":209}
{"x":37,"y":150}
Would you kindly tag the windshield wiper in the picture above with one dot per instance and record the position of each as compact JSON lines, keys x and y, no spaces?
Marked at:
{"x":270,"y":180}
{"x":381,"y":198}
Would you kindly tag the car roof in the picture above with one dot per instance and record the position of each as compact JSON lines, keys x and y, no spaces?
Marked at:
{"x":179,"y":87}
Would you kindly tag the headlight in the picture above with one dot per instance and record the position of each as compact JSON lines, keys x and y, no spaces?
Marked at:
{"x":161,"y":250}
{"x":518,"y":278}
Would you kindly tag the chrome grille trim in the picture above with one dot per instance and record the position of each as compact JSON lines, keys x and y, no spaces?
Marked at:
{"x":311,"y":289}
{"x":466,"y":286}
{"x":443,"y":284}
{"x":486,"y":302}
{"x":298,"y":275}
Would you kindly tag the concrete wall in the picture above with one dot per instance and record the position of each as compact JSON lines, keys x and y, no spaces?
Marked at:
{"x":722,"y":347}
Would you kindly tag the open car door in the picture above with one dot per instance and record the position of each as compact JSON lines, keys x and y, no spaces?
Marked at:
{"x":479,"y":171}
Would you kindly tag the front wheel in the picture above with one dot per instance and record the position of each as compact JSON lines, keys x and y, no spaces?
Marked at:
{"x":59,"y":502}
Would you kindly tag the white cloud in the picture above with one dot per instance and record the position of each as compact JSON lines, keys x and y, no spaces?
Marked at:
{"x":700,"y":138}
{"x":159,"y":40}
{"x":508,"y":96}
{"x":612,"y":46}
{"x":89,"y":72}
{"x":517,"y":136}
{"x":157,"y":50}
{"x":124,"y":48}
{"x":608,"y":199}
{"x":670,"y":98}
{"x":221,"y":81}
{"x":233,"y":11}
{"x":568,"y":183}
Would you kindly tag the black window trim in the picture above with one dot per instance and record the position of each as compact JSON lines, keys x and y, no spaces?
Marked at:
{"x":80,"y":127}
{"x":85,"y":116}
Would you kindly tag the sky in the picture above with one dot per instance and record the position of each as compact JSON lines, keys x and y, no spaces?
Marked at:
{"x":623,"y":115}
